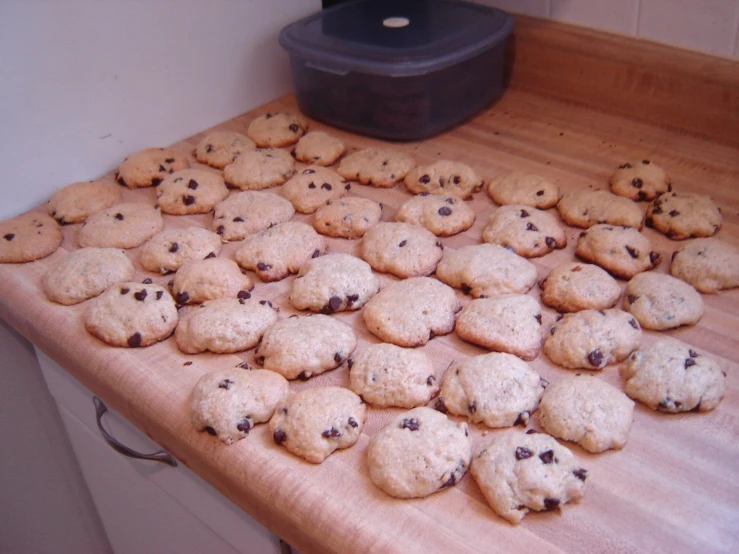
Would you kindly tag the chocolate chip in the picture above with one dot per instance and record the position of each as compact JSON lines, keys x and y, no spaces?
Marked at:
{"x":353,"y":422}
{"x":337,"y":358}
{"x":140,"y":296}
{"x":440,"y":406}
{"x":431,"y":335}
{"x":537,"y":317}
{"x":326,"y":186}
{"x":465,"y":288}
{"x":551,"y":504}
{"x":311,"y":185}
{"x":160,"y":293}
{"x":657,"y":210}
{"x":424,"y":179}
{"x":244,"y":425}
{"x":430,"y":381}
{"x":265,"y":303}
{"x":170,"y":284}
{"x":531,"y":227}
{"x":532,"y":432}
{"x":174,"y":247}
{"x":634,"y":324}
{"x":674,"y":213}
{"x":522,"y":419}
{"x":547,"y":457}
{"x":238,"y":219}
{"x":403,"y":243}
{"x":244,"y":365}
{"x":134,"y":340}
{"x":689,"y":362}
{"x":636,"y":182}
{"x":348,"y":186}
{"x":456,"y":179}
{"x":595,"y":357}
{"x":209,"y":256}
{"x":539,"y":193}
{"x":125,"y":290}
{"x":645,"y":162}
{"x":641,"y":195}
{"x":9,"y":236}
{"x":524,"y":213}
{"x":243,"y":294}
{"x":450,"y":482}
{"x":445,"y":211}
{"x":654,"y":257}
{"x":261,"y":266}
{"x":551,"y":243}
{"x":187,"y":363}
{"x":279,"y":436}
{"x":410,"y":423}
{"x":472,"y":407}
{"x":162,"y":168}
{"x":155,"y":182}
{"x":119,"y":216}
{"x":522,"y":453}
{"x":352,"y":298}
{"x":633,"y":252}
{"x":182,"y":298}
{"x":208,"y":148}
{"x":350,"y":362}
{"x":121,"y":181}
{"x":210,"y":431}
{"x":225,"y":384}
{"x":294,"y":128}
{"x":632,"y":298}
{"x":331,"y":433}
{"x":692,"y":353}
{"x":304,"y":376}
{"x":438,"y":244}
{"x":625,"y":166}
{"x":188,"y":200}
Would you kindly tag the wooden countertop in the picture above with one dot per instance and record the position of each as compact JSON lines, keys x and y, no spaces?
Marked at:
{"x":673,"y":488}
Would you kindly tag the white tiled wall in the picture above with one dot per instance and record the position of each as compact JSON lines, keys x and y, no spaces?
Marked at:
{"x":710,"y":26}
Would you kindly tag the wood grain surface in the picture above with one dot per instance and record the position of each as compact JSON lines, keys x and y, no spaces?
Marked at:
{"x":673,"y":488}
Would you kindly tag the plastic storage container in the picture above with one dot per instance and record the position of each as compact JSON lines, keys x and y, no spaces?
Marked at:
{"x":397,"y":69}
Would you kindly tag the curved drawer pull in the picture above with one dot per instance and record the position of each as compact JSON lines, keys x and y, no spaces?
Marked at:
{"x":161,"y":456}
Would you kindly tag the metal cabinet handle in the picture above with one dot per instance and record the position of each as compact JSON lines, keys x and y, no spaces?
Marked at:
{"x":161,"y":456}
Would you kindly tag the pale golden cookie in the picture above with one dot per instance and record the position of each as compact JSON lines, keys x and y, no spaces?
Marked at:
{"x":260,"y":169}
{"x":191,"y":191}
{"x":444,"y":177}
{"x":710,"y":265}
{"x":403,"y":249}
{"x":640,"y":180}
{"x":125,"y":225}
{"x":149,"y":167}
{"x":319,"y":148}
{"x":444,"y":216}
{"x":622,"y":251}
{"x":529,"y":231}
{"x":662,"y":302}
{"x":202,"y":280}
{"x":523,"y":188}
{"x":347,"y":217}
{"x":74,"y":203}
{"x":276,"y":130}
{"x":578,"y":286}
{"x":221,"y":148}
{"x":684,"y":215}
{"x":376,"y":167}
{"x":312,"y":187}
{"x":170,"y":249}
{"x":589,"y":207}
{"x":28,"y":237}
{"x":248,"y":212}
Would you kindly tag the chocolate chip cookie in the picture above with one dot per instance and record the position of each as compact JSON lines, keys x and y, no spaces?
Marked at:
{"x":125,"y":225}
{"x":403,"y":249}
{"x":377,"y":167}
{"x":577,"y":286}
{"x":319,"y":148}
{"x":444,"y":216}
{"x":622,"y":251}
{"x":348,"y":217}
{"x":74,"y":203}
{"x":590,"y":207}
{"x":169,"y":250}
{"x":201,"y":280}
{"x":523,"y":188}
{"x":684,"y":215}
{"x":640,"y":180}
{"x":260,"y":169}
{"x":710,"y":265}
{"x":148,"y":167}
{"x":277,"y":129}
{"x":444,"y":177}
{"x":221,"y":148}
{"x":28,"y":237}
{"x":312,"y":187}
{"x":528,"y":231}
{"x":249,"y":212}
{"x":191,"y":191}
{"x":662,"y":302}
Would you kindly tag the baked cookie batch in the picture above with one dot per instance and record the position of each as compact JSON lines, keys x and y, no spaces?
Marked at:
{"x":207,"y":299}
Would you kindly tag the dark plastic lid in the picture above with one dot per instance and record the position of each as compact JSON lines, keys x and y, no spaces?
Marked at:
{"x":396,"y":37}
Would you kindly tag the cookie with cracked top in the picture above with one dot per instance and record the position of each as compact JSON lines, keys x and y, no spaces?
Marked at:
{"x":314,"y":423}
{"x":333,"y":283}
{"x":496,"y":389}
{"x":28,"y":237}
{"x":248,"y":212}
{"x":640,"y":180}
{"x":592,"y":339}
{"x":260,"y":169}
{"x":132,"y":314}
{"x":662,"y":302}
{"x":148,"y":167}
{"x":418,"y":453}
{"x":506,"y":323}
{"x":444,"y":216}
{"x":313,"y":186}
{"x":191,"y":191}
{"x":485,"y":270}
{"x":588,"y":411}
{"x":230,"y":402}
{"x":74,"y":203}
{"x":277,"y":129}
{"x":377,"y":167}
{"x":86,"y":273}
{"x":281,"y":250}
{"x":319,"y":148}
{"x":670,"y":376}
{"x":444,"y":177}
{"x":302,"y":347}
{"x":710,"y":265}
{"x":578,"y":286}
{"x":523,"y":188}
{"x":125,"y":225}
{"x":224,"y":325}
{"x":221,"y":148}
{"x":520,"y":472}
{"x":386,"y":375}
{"x":201,"y":280}
{"x":412,"y":311}
{"x":529,"y":231}
{"x":349,"y":217}
{"x":169,"y":250}
{"x":622,"y":251}
{"x":403,"y":249}
{"x":589,"y":207}
{"x":684,"y":215}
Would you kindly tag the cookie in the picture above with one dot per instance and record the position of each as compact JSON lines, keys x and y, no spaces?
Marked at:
{"x":319,"y":148}
{"x":249,"y":212}
{"x":507,"y":323}
{"x":221,"y":148}
{"x":590,"y":207}
{"x":276,"y":130}
{"x":376,"y":167}
{"x":314,"y":423}
{"x":229,"y":403}
{"x":485,"y":270}
{"x":662,"y":302}
{"x":403,"y":249}
{"x":592,"y":339}
{"x":306,"y":346}
{"x":125,"y":225}
{"x":622,"y":251}
{"x":28,"y":237}
{"x":86,"y":273}
{"x":172,"y":248}
{"x":444,"y":177}
{"x":418,"y":453}
{"x":281,"y":250}
{"x":684,"y":215}
{"x":224,"y":325}
{"x":528,"y":231}
{"x":132,"y":314}
{"x":201,"y":280}
{"x":347,"y":217}
{"x":74,"y":203}
{"x":312,"y":187}
{"x":191,"y":191}
{"x":259,"y":169}
{"x":576,"y":286}
{"x":588,"y":411}
{"x":640,"y":180}
{"x":522,"y":472}
{"x":148,"y":167}
{"x":333,"y":283}
{"x":497,"y":390}
{"x":411,"y":312}
{"x":523,"y":188}
{"x":671,"y":377}
{"x":388,"y":376}
{"x":444,"y":216}
{"x":710,"y":265}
